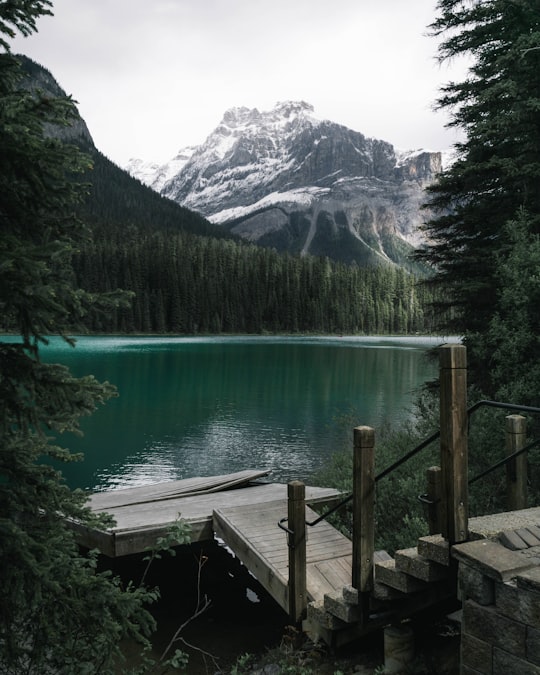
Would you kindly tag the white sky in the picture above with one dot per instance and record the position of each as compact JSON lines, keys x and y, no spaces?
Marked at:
{"x":153,"y":76}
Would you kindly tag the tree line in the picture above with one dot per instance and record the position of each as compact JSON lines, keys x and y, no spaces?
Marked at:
{"x":186,"y":283}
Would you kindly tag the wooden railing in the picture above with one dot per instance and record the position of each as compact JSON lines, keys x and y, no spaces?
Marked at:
{"x":447,"y":485}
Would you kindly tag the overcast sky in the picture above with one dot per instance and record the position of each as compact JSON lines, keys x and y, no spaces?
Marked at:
{"x":153,"y":76}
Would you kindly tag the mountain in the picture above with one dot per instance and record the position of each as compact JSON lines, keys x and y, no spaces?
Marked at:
{"x":286,"y":179}
{"x":117,"y":201}
{"x":184,"y":283}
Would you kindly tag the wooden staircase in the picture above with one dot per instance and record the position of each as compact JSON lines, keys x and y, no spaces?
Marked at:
{"x":335,"y":612}
{"x":413,"y":580}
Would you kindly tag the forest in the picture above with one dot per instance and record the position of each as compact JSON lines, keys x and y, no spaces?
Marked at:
{"x":188,"y":276}
{"x":184,"y":283}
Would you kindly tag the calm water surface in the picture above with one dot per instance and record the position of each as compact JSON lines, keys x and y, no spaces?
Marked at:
{"x":203,"y":406}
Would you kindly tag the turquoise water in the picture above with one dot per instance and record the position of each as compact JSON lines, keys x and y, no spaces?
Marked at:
{"x":202,"y":406}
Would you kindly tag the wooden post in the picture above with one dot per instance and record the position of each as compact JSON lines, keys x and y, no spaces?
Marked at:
{"x":296,"y":492}
{"x":454,"y":454}
{"x":434,"y":495}
{"x":516,"y":470}
{"x":363,"y":514}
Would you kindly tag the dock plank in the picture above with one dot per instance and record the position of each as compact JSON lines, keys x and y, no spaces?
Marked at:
{"x":252,"y":536}
{"x":172,"y":489}
{"x":273,"y":577}
{"x":138,"y":523}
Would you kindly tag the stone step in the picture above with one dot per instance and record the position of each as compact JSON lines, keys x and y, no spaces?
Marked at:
{"x":335,"y":604}
{"x":435,"y":548}
{"x":410,"y":562}
{"x":318,"y":614}
{"x":386,"y":573}
{"x":385,"y":594}
{"x":379,"y":592}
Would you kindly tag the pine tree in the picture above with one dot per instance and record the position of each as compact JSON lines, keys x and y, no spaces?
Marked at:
{"x":497,"y":170}
{"x":57,"y":614}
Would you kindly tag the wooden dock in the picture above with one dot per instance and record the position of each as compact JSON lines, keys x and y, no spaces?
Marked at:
{"x":255,"y":538}
{"x":142,"y":514}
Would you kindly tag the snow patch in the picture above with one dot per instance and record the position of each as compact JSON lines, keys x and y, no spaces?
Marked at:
{"x":300,"y":197}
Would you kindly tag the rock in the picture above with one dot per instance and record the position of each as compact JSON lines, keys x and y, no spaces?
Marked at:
{"x":284,"y":178}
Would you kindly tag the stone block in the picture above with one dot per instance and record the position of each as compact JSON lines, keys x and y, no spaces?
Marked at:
{"x":491,"y":558}
{"x":465,"y":670}
{"x":508,"y":664}
{"x":386,"y":593}
{"x":533,"y":645}
{"x":534,"y":529}
{"x":507,"y":599}
{"x":386,"y":573}
{"x":411,"y":562}
{"x":476,"y":654}
{"x":529,"y":607}
{"x":485,"y":623}
{"x":434,"y":547}
{"x":512,"y":540}
{"x":350,"y":595}
{"x":528,"y":537}
{"x":475,"y":585}
{"x":531,"y":555}
{"x":529,"y":579}
{"x":335,"y":605}
{"x":380,"y":555}
{"x":317,"y":614}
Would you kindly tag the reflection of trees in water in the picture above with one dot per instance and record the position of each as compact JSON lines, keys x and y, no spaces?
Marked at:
{"x":222,"y":406}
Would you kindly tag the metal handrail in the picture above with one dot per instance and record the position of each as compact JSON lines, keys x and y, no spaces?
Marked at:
{"x":472,"y":409}
{"x":505,"y":406}
{"x":504,"y":461}
{"x":424,"y":498}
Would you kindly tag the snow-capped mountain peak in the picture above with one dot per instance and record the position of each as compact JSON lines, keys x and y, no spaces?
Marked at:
{"x":276,"y":176}
{"x":156,"y":175}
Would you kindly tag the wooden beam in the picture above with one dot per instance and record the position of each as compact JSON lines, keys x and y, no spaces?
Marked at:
{"x":434,"y":495}
{"x":363,"y":514}
{"x":296,"y":508}
{"x":516,"y":469}
{"x":454,"y":451}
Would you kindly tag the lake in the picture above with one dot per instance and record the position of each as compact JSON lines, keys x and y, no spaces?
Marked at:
{"x":212,"y":405}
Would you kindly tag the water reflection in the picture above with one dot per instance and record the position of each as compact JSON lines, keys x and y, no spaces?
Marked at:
{"x":200,"y":406}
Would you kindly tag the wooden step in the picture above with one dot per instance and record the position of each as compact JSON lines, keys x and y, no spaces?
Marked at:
{"x":412,"y":563}
{"x":435,"y":548}
{"x":387,"y":574}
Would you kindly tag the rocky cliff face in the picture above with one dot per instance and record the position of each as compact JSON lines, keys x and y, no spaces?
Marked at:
{"x":40,"y":81}
{"x":286,"y":179}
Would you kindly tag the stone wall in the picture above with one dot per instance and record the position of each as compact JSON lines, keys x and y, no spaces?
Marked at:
{"x":500,"y":590}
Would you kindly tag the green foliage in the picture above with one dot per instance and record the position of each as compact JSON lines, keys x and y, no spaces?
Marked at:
{"x":177,"y":534}
{"x":58,"y":613}
{"x":493,"y":185}
{"x":242,"y":663}
{"x":292,"y":656}
{"x":399,"y":519}
{"x":512,"y":340}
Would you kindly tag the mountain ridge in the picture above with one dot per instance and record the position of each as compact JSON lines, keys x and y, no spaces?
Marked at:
{"x":287,"y":179}
{"x":116,"y":200}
